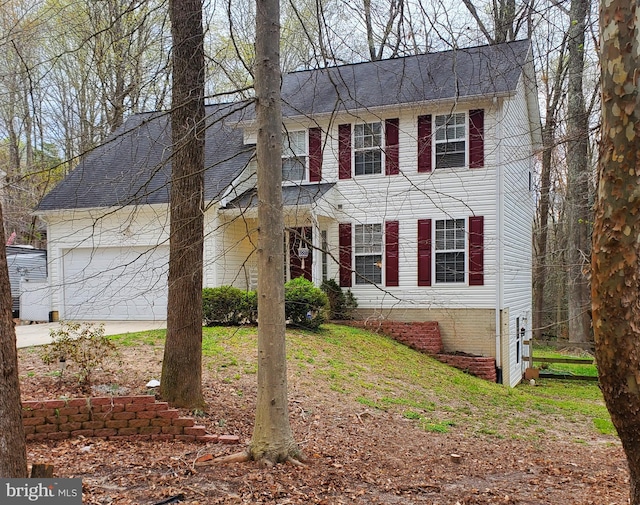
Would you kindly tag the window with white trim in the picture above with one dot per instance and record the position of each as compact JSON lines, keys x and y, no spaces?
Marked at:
{"x":294,"y":156}
{"x":450,"y":239}
{"x":451,"y":140}
{"x":367,"y":148}
{"x":368,"y":253}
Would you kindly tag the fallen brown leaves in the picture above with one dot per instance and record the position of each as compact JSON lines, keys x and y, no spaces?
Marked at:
{"x":354,"y":457}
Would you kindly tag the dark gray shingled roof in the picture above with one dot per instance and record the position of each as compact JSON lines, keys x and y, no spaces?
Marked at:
{"x":476,"y":71}
{"x":291,"y":195}
{"x":132,"y":167}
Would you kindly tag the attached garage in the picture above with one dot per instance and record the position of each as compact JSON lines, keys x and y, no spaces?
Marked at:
{"x":115,"y":283}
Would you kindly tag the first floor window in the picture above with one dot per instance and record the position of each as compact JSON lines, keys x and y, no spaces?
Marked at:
{"x":368,"y":253}
{"x":367,"y":147}
{"x":294,"y":156}
{"x":450,"y":250}
{"x":450,"y":140}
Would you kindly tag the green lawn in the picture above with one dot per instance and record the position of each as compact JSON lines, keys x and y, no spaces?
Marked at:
{"x":351,"y":365}
{"x":562,"y":368}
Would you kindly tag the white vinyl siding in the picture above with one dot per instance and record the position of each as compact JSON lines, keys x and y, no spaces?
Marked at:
{"x":92,"y":248}
{"x":519,"y":208}
{"x":438,"y":195}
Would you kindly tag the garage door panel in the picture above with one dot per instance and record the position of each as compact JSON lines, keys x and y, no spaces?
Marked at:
{"x":115,"y":283}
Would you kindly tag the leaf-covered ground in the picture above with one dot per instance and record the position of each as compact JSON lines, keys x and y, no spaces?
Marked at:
{"x":377,"y":422}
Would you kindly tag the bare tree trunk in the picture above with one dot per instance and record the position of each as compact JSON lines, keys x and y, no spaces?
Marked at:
{"x":554,"y":93}
{"x":507,"y":20}
{"x":272,"y":438}
{"x":578,"y":211}
{"x":616,"y":250}
{"x":368,"y":23}
{"x":13,"y":452}
{"x":181,"y":382}
{"x":541,"y":237}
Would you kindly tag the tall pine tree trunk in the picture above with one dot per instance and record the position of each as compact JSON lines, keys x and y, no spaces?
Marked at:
{"x":13,"y":452}
{"x":181,"y":382}
{"x":578,"y":211}
{"x":616,"y":249}
{"x":272,"y":438}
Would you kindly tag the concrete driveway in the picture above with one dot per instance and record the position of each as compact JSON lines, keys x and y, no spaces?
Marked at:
{"x":38,"y":334}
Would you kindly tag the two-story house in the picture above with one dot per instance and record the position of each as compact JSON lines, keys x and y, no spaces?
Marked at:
{"x":408,"y":181}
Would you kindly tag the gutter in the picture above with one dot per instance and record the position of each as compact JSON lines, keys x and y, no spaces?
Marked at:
{"x":381,"y":109}
{"x":499,"y":234}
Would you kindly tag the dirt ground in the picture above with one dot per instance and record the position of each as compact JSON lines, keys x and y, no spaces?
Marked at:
{"x":355,"y":455}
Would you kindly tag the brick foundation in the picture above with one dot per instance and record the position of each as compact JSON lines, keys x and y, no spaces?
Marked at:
{"x":112,"y":418}
{"x":425,"y":337}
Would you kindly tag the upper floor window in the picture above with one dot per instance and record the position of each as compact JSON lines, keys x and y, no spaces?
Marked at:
{"x":367,"y":147}
{"x":450,"y":241}
{"x":450,"y":140}
{"x":294,"y":156}
{"x":368,"y":253}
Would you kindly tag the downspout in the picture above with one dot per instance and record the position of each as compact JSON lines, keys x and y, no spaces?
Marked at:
{"x":499,"y":233}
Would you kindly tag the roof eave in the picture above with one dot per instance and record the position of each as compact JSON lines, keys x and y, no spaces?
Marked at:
{"x":316,"y":117}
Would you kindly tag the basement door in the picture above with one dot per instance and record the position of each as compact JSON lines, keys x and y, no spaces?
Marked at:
{"x":115,"y":283}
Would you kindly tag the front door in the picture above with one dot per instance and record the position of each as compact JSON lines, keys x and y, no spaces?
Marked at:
{"x":300,"y":253}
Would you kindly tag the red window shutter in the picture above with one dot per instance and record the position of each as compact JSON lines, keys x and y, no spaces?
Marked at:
{"x":344,"y":241}
{"x":315,"y":154}
{"x":424,"y":252}
{"x":424,"y":143}
{"x":476,"y":251}
{"x":391,"y":144}
{"x":392,"y":256}
{"x":476,"y":138}
{"x":344,"y":151}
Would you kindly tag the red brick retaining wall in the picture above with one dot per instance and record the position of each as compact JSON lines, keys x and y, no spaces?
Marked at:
{"x":421,"y":336}
{"x":479,"y":366}
{"x":112,"y":418}
{"x":425,"y":337}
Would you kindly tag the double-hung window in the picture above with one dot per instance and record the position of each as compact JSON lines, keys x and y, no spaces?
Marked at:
{"x":367,"y":147}
{"x":450,"y":238}
{"x":368,"y":253}
{"x":294,"y":156}
{"x":450,"y":140}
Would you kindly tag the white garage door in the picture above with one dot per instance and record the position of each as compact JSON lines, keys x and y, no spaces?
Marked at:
{"x":115,"y":283}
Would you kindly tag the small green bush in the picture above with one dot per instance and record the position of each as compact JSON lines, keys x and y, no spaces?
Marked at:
{"x":228,"y":305}
{"x":84,"y":346}
{"x":251,"y":307}
{"x":341,"y":305}
{"x":304,"y":303}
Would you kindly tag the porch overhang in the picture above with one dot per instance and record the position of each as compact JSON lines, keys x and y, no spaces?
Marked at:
{"x":316,"y":198}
